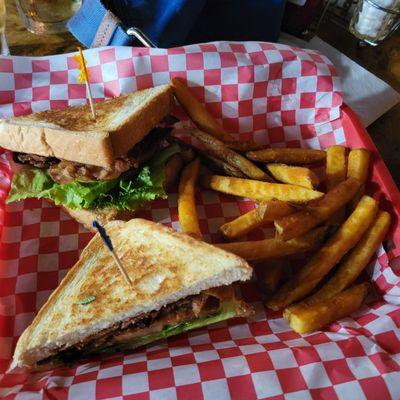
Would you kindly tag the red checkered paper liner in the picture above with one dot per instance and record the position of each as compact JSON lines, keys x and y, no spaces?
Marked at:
{"x":275,"y":94}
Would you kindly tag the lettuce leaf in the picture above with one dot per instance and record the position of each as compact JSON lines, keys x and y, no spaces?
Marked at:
{"x":147,"y":186}
{"x":37,"y":183}
{"x":123,"y":194}
{"x":225,"y":313}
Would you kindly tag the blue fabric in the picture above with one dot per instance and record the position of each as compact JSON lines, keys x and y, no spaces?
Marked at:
{"x":84,"y":24}
{"x":171,"y":23}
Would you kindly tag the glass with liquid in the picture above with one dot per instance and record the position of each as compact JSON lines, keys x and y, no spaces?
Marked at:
{"x":3,"y":43}
{"x":47,"y":16}
{"x":2,"y":16}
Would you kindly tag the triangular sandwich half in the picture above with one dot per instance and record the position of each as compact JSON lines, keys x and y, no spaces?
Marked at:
{"x":179,"y":283}
{"x":102,"y":169}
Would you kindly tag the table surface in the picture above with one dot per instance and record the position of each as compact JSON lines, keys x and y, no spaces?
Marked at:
{"x":383,"y":61}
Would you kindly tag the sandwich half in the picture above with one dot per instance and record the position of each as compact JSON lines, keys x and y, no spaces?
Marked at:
{"x":179,"y":284}
{"x":103,"y":169}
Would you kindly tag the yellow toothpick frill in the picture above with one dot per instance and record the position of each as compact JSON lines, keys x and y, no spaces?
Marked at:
{"x":84,"y":76}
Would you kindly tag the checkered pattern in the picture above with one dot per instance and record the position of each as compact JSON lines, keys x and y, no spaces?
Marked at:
{"x":251,"y":88}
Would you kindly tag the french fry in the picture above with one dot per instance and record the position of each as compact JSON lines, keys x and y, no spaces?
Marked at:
{"x":186,"y":199}
{"x":197,"y":112}
{"x":276,"y":209}
{"x":171,"y":170}
{"x":358,"y":168}
{"x":301,"y":222}
{"x":266,"y":212}
{"x":287,"y":156}
{"x":327,"y":257}
{"x":358,"y":164}
{"x":304,"y":319}
{"x":218,"y":149}
{"x":335,"y":166}
{"x":300,"y":176}
{"x":214,"y":163}
{"x":269,"y":275}
{"x":244,"y":224}
{"x":268,"y":249}
{"x":243,"y":147}
{"x":354,"y":262}
{"x":262,"y":191}
{"x":217,"y":165}
{"x":336,"y":173}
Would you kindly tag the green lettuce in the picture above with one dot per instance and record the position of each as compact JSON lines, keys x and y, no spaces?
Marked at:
{"x":228,"y":311}
{"x":118,"y":193}
{"x":146,"y":186}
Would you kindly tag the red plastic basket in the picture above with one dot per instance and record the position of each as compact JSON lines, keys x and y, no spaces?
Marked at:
{"x":249,"y":87}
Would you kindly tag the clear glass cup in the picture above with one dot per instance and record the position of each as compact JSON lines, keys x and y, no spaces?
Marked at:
{"x":374,"y":20}
{"x":3,"y":42}
{"x":47,"y":16}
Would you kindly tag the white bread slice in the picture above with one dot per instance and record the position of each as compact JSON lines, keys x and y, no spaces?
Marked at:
{"x":71,"y":134}
{"x":164,"y":266}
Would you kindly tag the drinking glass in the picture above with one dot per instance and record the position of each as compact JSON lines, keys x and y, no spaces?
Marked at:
{"x":47,"y":16}
{"x":374,"y":20}
{"x":3,"y":43}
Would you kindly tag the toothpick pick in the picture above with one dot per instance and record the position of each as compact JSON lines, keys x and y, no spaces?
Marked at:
{"x":84,"y":77}
{"x":109,"y":245}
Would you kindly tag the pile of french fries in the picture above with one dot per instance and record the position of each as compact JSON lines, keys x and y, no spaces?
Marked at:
{"x":337,"y":230}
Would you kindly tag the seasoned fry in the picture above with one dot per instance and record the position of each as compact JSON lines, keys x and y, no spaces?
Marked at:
{"x":266,"y":212}
{"x":276,"y":209}
{"x":358,"y":164}
{"x":303,"y":319}
{"x":188,"y":153}
{"x":336,"y":173}
{"x":243,"y":147}
{"x":274,"y":248}
{"x":217,"y":165}
{"x":262,"y":191}
{"x":327,"y":257}
{"x":335,"y":166}
{"x":294,"y":175}
{"x":197,"y":112}
{"x":186,"y":199}
{"x":355,"y":261}
{"x":244,"y":224}
{"x":269,"y":275}
{"x":358,"y":167}
{"x":218,"y":149}
{"x":171,"y":170}
{"x":287,"y":156}
{"x":301,"y":222}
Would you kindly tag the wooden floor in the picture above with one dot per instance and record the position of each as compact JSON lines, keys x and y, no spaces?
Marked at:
{"x":383,"y":61}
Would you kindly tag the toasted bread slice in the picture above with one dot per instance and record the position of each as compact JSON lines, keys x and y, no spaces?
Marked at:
{"x":163,"y":265}
{"x":71,"y":134}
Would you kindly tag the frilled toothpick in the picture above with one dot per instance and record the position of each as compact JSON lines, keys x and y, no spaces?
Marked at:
{"x":109,"y":245}
{"x":84,"y":77}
